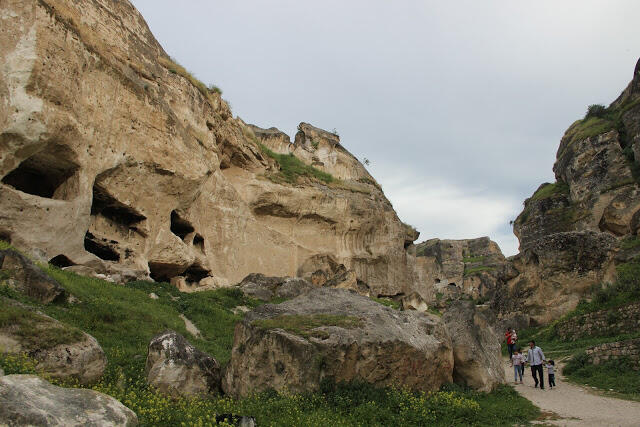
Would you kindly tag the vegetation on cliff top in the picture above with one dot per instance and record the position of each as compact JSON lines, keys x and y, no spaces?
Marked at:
{"x":125,"y":318}
{"x":292,"y":168}
{"x":175,"y":68}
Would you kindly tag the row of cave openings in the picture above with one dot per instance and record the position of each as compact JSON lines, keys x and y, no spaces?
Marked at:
{"x":52,"y":173}
{"x":126,"y":218}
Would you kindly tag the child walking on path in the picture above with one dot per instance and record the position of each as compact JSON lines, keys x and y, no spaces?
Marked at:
{"x":552,"y":375}
{"x":517,"y":361}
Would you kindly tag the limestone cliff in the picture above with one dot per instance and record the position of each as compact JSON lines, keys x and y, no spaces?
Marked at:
{"x":114,"y":157}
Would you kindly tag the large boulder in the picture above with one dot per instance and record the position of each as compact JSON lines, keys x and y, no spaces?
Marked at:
{"x":266,"y":288}
{"x":61,"y":351}
{"x":337,"y":334}
{"x":177,"y":368}
{"x":30,"y":400}
{"x":29,"y":279}
{"x":476,"y":347}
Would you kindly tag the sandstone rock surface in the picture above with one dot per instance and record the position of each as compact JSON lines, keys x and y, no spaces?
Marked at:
{"x":476,"y":347}
{"x":335,"y":333}
{"x":145,"y":172}
{"x":29,"y":279}
{"x":177,"y":368}
{"x":60,"y":350}
{"x":30,"y":400}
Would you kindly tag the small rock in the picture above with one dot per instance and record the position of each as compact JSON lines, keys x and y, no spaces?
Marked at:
{"x":240,"y":309}
{"x":175,"y":367}
{"x":30,"y":400}
{"x":152,"y":295}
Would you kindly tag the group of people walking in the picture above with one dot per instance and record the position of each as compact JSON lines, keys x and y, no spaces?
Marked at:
{"x":534,"y":358}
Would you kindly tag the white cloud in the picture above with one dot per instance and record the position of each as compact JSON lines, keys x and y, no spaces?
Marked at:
{"x":439,"y":209}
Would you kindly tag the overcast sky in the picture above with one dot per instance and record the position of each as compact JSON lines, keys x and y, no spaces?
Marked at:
{"x":459,"y":105}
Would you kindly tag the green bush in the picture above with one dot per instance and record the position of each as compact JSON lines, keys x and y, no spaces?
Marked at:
{"x":595,"y":110}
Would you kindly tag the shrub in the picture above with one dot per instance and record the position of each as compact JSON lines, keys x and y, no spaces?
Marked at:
{"x":595,"y":110}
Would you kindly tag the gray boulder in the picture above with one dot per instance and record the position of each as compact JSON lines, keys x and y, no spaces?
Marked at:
{"x":335,"y":333}
{"x":266,"y":288}
{"x":29,"y":279}
{"x":61,"y":351}
{"x":30,"y":400}
{"x":476,"y":347}
{"x":177,"y":368}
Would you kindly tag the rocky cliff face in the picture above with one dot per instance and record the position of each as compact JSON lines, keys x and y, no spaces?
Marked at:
{"x":114,"y":157}
{"x":452,"y":269}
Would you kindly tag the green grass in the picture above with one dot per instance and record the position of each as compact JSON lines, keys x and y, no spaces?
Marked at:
{"x":388,"y":302}
{"x":125,"y":318}
{"x":34,"y":330}
{"x":613,"y":375}
{"x":473,"y":259}
{"x":307,"y":325}
{"x":292,"y":168}
{"x":630,"y":242}
{"x":548,"y":190}
{"x":477,"y":270}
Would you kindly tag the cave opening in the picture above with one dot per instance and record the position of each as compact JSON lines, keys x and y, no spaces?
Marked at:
{"x":44,"y":174}
{"x":195,"y":273}
{"x":179,"y":226}
{"x":164,"y":272}
{"x":100,"y":248}
{"x":108,"y":206}
{"x":61,"y":261}
{"x":198,"y":242}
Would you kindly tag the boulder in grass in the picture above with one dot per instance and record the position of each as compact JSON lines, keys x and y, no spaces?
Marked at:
{"x":29,"y":279}
{"x":177,"y":368}
{"x":340,"y":335}
{"x":60,"y":350}
{"x":30,"y":400}
{"x":476,"y":347}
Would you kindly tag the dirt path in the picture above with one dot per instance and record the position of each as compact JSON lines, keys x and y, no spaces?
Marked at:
{"x":575,"y":405}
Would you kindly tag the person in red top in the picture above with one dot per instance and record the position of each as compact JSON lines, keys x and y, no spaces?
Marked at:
{"x":511,"y":343}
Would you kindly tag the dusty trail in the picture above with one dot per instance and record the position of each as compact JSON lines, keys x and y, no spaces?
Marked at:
{"x":575,"y":405}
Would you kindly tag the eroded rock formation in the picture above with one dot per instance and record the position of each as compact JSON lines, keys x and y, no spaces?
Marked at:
{"x":113,"y":157}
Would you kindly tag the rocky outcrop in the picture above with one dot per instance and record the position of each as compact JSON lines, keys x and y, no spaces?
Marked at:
{"x":30,"y":400}
{"x":177,"y":368}
{"x":476,"y":347}
{"x":145,"y":172}
{"x":60,"y":350}
{"x":449,"y":270}
{"x":337,"y":334}
{"x":29,"y":279}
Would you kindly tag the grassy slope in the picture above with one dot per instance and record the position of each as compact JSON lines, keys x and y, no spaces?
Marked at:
{"x":125,"y":318}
